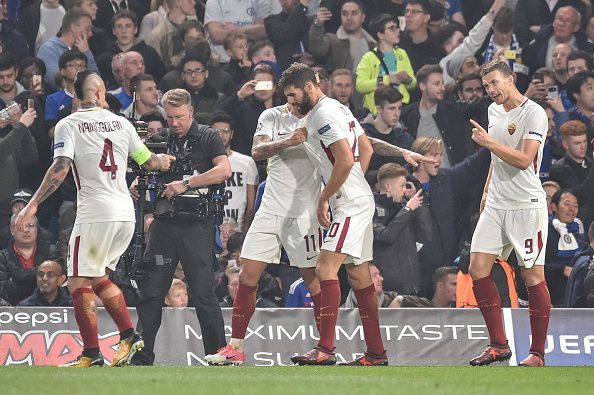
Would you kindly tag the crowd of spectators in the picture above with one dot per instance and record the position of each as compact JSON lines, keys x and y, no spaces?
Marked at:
{"x":407,"y":69}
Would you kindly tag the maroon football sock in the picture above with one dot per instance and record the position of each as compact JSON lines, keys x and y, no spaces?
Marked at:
{"x":244,"y":306}
{"x":489,"y":301}
{"x":115,"y":304}
{"x":539,"y":307}
{"x":86,"y":317}
{"x":317,"y":299}
{"x":368,"y":310}
{"x":330,"y":300}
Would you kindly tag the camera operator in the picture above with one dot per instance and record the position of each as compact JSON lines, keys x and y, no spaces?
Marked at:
{"x":182,"y":231}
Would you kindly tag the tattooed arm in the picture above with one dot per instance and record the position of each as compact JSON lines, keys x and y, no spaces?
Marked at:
{"x":158,"y":162}
{"x":52,"y":180}
{"x":382,"y":148}
{"x":264,"y":148}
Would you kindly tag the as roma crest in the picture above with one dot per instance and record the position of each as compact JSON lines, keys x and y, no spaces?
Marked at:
{"x":511,"y":128}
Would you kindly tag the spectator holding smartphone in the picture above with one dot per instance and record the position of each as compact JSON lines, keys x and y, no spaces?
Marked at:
{"x":398,"y":225}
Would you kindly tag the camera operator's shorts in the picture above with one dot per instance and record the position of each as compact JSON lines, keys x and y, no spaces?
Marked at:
{"x":351,"y":230}
{"x":301,"y":238}
{"x":97,"y":246}
{"x":525,"y":231}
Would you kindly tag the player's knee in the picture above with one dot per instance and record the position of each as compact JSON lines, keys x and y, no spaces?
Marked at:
{"x":477,"y":271}
{"x":533,"y":276}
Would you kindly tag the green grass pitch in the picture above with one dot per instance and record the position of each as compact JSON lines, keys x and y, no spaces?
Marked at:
{"x":458,"y":380}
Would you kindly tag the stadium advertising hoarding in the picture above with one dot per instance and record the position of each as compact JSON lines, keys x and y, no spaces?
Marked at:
{"x":49,"y":336}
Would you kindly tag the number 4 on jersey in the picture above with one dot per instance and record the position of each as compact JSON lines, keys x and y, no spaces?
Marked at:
{"x":107,"y":154}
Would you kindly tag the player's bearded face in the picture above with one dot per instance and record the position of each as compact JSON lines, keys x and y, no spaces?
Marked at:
{"x":304,"y":105}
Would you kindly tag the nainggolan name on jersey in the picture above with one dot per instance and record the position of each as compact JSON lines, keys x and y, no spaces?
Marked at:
{"x":100,"y":126}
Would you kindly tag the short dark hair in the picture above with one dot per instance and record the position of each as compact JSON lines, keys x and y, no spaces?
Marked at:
{"x":426,"y":70}
{"x":358,"y":2}
{"x":574,"y":84}
{"x":441,"y":273}
{"x":503,"y":21}
{"x":70,"y":55}
{"x":7,"y":61}
{"x":425,"y":4}
{"x":540,"y":73}
{"x":193,"y":57}
{"x":466,"y":78}
{"x":386,"y":94}
{"x":496,"y":64}
{"x":190,"y":24}
{"x":579,"y":54}
{"x":446,"y":32}
{"x":137,"y":79}
{"x":556,"y":198}
{"x":30,"y":61}
{"x":124,"y":14}
{"x":72,"y":17}
{"x":378,"y":24}
{"x":152,"y":116}
{"x":297,"y":75}
{"x":258,"y":45}
{"x":201,"y":49}
{"x":221,"y":116}
{"x":235,"y":242}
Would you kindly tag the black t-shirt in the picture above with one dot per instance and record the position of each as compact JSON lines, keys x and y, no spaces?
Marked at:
{"x":194,"y":152}
{"x":200,"y":145}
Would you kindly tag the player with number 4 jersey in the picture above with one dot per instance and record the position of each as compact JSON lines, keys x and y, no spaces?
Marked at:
{"x":97,"y":144}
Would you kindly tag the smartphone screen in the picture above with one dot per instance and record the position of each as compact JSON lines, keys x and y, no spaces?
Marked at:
{"x":263,"y":86}
{"x":552,"y":92}
{"x":30,"y":104}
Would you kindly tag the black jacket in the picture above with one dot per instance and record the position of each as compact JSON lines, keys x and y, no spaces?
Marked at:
{"x":395,"y":234}
{"x":17,"y":148}
{"x":398,"y":136}
{"x":64,"y":299}
{"x":17,"y":283}
{"x":105,"y":13}
{"x":28,"y":25}
{"x":537,"y":13}
{"x":206,"y":101}
{"x":240,"y":75}
{"x":555,"y":265}
{"x":450,"y":194}
{"x":286,"y":31}
{"x":217,"y":78}
{"x":569,"y":174}
{"x":534,"y":55}
{"x":245,"y":119}
{"x":450,"y":124}
{"x":13,"y":41}
{"x":153,"y":63}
